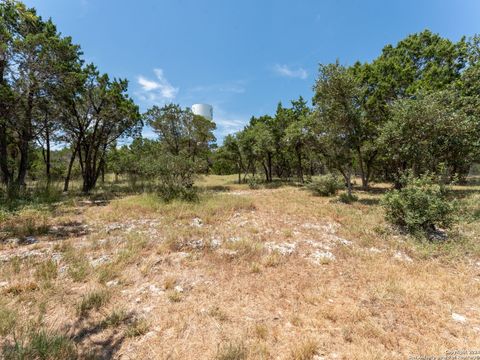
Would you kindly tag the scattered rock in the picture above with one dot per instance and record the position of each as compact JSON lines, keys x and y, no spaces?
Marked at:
{"x":112,"y":283}
{"x":113,"y":227}
{"x":3,"y":284}
{"x":29,"y":240}
{"x":196,"y":244}
{"x":234,"y":239}
{"x":438,"y":235}
{"x":322,"y":257}
{"x":374,"y":250}
{"x":100,"y":261}
{"x":228,"y":253}
{"x":13,"y":241}
{"x":179,"y":289}
{"x":197,"y":222}
{"x":318,"y":244}
{"x":402,"y":257}
{"x":215,"y":243}
{"x":342,"y":241}
{"x":155,"y":290}
{"x":459,"y":318}
{"x":283,"y":248}
{"x":312,"y":226}
{"x":330,"y":228}
{"x":57,"y":257}
{"x":179,"y":256}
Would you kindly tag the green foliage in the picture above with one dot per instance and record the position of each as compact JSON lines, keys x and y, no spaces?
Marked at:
{"x":325,"y":185}
{"x":347,"y":198}
{"x":92,"y":301}
{"x":420,"y":206}
{"x":253,"y":183}
{"x":41,"y":345}
{"x":8,"y":320}
{"x":46,"y":271}
{"x":232,"y":351}
{"x":137,"y":327}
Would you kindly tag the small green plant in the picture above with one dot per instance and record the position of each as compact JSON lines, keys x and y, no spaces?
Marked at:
{"x":138,"y":327}
{"x":347,"y":199}
{"x":115,"y":319}
{"x":8,"y":320}
{"x":175,"y":296}
{"x":92,"y":301}
{"x":40,"y":345}
{"x":325,"y":185}
{"x":253,"y":183}
{"x":232,"y":351}
{"x":46,"y":271}
{"x":420,"y":206}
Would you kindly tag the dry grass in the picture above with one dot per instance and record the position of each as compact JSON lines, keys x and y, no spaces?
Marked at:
{"x":243,"y":274}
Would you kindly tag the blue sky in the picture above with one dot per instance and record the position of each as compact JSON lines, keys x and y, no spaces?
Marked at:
{"x":241,"y":56}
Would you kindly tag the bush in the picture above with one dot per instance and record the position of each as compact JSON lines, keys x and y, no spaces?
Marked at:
{"x":420,"y":205}
{"x":347,"y":199}
{"x":253,"y":183}
{"x":326,"y":185}
{"x":176,"y":177}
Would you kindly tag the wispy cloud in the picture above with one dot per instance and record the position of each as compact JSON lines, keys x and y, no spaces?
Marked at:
{"x":156,"y":91}
{"x":227,"y":122}
{"x":286,"y":71}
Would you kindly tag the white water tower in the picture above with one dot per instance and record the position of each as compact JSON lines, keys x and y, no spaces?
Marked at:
{"x":204,"y":110}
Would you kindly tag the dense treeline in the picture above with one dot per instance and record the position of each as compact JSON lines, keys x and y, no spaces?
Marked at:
{"x":415,"y":109}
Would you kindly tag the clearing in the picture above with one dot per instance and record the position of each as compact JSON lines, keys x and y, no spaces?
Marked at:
{"x":243,"y":274}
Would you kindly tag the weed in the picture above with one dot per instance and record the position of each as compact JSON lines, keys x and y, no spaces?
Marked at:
{"x":305,"y":351}
{"x":138,"y":327}
{"x":92,"y":301}
{"x":47,"y":271}
{"x":232,"y":351}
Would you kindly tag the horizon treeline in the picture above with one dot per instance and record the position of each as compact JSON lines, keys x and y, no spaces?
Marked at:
{"x":415,"y":108}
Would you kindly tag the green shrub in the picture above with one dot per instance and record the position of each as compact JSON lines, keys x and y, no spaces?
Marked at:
{"x":253,"y":183}
{"x":94,"y":300}
{"x":232,"y":351}
{"x":41,"y":345}
{"x":325,"y":185}
{"x":171,"y":191}
{"x":347,"y":199}
{"x":420,"y":205}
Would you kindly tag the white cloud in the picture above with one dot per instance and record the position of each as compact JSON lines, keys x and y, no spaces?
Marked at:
{"x":227,"y":122}
{"x":286,"y":71}
{"x":157,"y":91}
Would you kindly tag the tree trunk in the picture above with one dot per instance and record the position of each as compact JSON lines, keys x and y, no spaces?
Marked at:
{"x":6,"y":175}
{"x":69,"y":171}
{"x":349,"y":182}
{"x":25,"y":136}
{"x":47,"y":156}
{"x":300,"y":165}
{"x":23,"y":166}
{"x":270,"y":177}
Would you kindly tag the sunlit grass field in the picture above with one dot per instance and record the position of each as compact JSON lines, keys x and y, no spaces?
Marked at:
{"x":271,"y":273}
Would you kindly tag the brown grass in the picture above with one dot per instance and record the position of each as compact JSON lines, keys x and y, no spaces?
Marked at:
{"x":170,"y":289}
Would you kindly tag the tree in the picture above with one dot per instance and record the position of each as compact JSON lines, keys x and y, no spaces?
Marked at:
{"x":337,"y":120}
{"x":297,"y":134}
{"x":427,"y":134}
{"x":182,"y":133}
{"x":95,"y":118}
